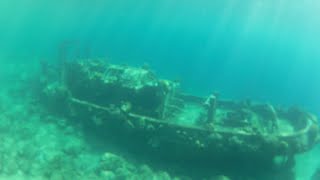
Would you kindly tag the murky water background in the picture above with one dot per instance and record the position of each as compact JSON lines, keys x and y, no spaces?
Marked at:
{"x":264,"y":50}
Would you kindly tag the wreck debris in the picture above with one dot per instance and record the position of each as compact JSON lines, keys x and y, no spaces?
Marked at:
{"x":211,"y":104}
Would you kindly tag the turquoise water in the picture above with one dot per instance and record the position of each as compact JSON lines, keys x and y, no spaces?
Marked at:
{"x":263,"y":50}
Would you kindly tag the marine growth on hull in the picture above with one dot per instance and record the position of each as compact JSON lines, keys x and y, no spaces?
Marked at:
{"x":156,"y":118}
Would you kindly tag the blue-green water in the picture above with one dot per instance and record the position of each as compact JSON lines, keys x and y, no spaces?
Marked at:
{"x":264,"y":50}
{"x":260,"y":49}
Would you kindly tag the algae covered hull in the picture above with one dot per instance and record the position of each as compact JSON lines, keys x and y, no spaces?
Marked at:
{"x":154,"y":116}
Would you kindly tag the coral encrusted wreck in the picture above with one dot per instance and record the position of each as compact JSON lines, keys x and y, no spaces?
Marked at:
{"x":153,"y":117}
